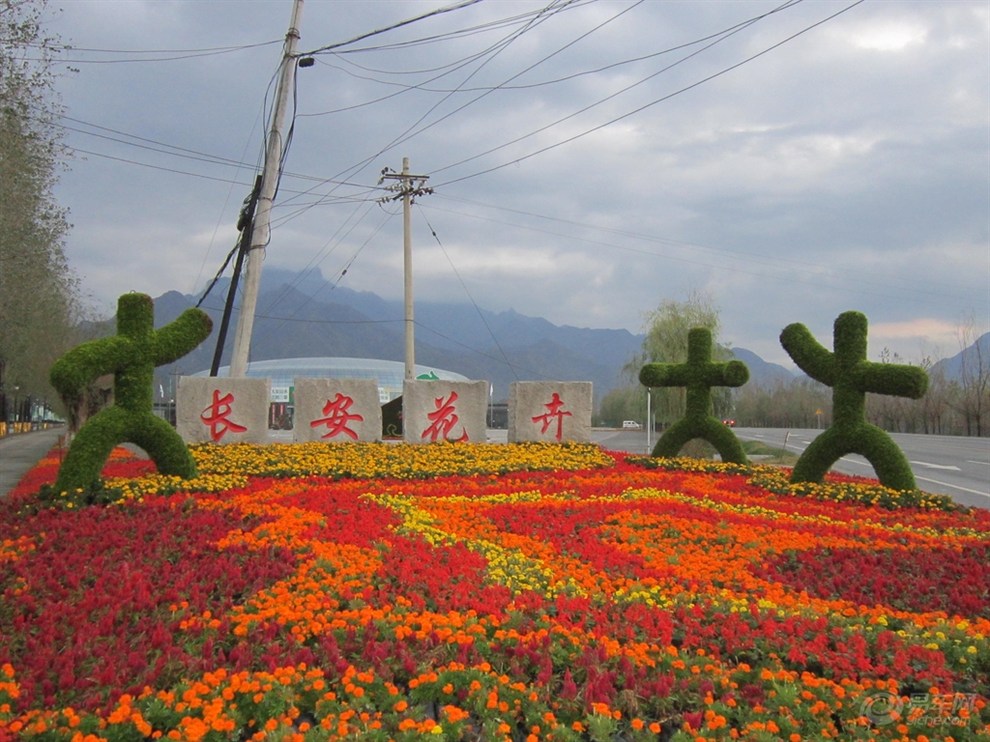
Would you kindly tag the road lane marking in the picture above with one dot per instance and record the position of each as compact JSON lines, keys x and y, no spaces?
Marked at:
{"x":950,"y":467}
{"x":926,"y":479}
{"x":956,"y":487}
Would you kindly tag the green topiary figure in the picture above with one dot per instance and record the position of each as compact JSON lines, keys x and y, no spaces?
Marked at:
{"x":699,"y":375}
{"x":131,"y":356}
{"x":851,"y":376}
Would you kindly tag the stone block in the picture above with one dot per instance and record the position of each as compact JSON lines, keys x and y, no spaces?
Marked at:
{"x":222,"y":410}
{"x":437,"y":411}
{"x":551,"y":411}
{"x":337,"y":410}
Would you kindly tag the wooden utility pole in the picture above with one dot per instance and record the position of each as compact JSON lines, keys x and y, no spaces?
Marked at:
{"x":408,"y":187}
{"x":261,"y":228}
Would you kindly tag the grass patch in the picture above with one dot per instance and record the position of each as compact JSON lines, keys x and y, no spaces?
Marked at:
{"x":769,"y":454}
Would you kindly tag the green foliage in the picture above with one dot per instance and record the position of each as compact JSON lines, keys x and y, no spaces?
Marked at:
{"x":624,"y":403}
{"x":131,"y":356}
{"x":39,"y":300}
{"x":843,"y":489}
{"x":668,"y":326}
{"x":790,"y":404}
{"x":851,"y":376}
{"x":698,"y":375}
{"x":768,"y":454}
{"x":96,"y":494}
{"x":869,"y":441}
{"x":666,"y":341}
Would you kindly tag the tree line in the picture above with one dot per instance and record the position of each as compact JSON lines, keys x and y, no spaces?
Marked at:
{"x":952,"y":406}
{"x":41,"y":306}
{"x":42,"y":309}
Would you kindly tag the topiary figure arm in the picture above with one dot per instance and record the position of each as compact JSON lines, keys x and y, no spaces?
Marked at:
{"x":810,"y":355}
{"x":851,"y":377}
{"x":180,"y":336}
{"x":663,"y":374}
{"x":131,"y":356}
{"x":698,"y":375}
{"x":71,"y":373}
{"x":731,"y":373}
{"x":896,"y":380}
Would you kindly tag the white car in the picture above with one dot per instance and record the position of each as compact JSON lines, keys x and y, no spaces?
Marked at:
{"x":631,"y":424}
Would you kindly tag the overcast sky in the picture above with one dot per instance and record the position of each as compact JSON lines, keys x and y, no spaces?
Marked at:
{"x":793,"y":160}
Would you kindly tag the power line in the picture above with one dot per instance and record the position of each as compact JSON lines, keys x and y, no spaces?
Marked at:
{"x":527,"y":86}
{"x":409,"y":133}
{"x":771,"y":262}
{"x":633,"y":112}
{"x":557,"y":5}
{"x":175,"y":54}
{"x":538,"y":17}
{"x":392,"y":27}
{"x":467,"y":293}
{"x":336,"y":240}
{"x":369,"y":193}
{"x":153,"y":145}
{"x":717,"y":39}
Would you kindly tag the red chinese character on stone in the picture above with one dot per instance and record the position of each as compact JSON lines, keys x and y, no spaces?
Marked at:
{"x":443,"y":420}
{"x":553,"y":411}
{"x":337,"y":417}
{"x":216,"y":416}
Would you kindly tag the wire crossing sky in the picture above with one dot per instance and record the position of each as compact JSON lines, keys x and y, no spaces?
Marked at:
{"x":590,"y":159}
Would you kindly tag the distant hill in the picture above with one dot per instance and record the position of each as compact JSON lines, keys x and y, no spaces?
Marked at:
{"x":970,"y":358}
{"x":300,"y":315}
{"x":761,"y":372}
{"x":295,"y":318}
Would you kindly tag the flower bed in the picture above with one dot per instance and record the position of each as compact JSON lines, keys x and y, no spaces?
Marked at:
{"x":478,"y":592}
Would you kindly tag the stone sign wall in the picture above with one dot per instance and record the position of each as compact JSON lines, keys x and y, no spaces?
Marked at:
{"x":550,"y":411}
{"x":436,"y":411}
{"x":222,"y":410}
{"x":337,"y":410}
{"x":225,"y":410}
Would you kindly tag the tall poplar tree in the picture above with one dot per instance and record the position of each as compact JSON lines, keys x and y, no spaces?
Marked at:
{"x":38,"y":292}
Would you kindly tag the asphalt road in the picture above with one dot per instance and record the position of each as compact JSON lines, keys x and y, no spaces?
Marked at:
{"x":942,"y":464}
{"x":21,"y":451}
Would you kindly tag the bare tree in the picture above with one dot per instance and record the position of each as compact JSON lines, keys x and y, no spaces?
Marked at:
{"x":973,"y":402}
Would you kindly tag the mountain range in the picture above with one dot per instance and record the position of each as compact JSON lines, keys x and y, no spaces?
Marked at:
{"x":300,"y":315}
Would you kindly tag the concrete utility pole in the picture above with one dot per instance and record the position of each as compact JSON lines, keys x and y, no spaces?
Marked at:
{"x":244,"y":223}
{"x":261,"y":229}
{"x":407,"y":189}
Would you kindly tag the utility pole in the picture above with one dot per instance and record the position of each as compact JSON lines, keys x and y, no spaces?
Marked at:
{"x":408,"y":187}
{"x":261,"y":228}
{"x":244,"y":224}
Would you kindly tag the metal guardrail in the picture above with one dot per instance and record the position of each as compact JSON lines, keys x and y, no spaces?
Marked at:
{"x":24,"y":427}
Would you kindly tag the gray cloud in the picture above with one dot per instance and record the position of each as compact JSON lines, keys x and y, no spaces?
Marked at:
{"x":846,"y":169}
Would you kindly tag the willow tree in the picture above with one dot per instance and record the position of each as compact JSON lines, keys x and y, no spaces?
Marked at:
{"x":38,"y":293}
{"x":666,"y":341}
